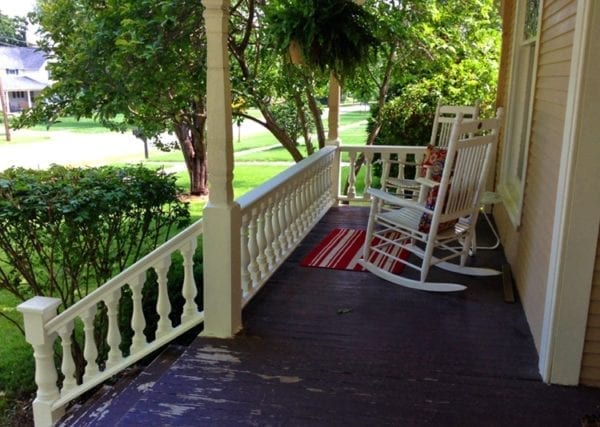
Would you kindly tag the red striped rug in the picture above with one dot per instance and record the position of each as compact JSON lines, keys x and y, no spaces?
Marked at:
{"x":341,"y":249}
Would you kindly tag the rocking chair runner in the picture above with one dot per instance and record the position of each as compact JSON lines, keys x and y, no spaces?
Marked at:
{"x":440,"y":227}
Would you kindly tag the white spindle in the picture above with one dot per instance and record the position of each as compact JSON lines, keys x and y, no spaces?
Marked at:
{"x":268,"y":227}
{"x":90,"y":351}
{"x":113,"y":337}
{"x":189,"y":290}
{"x":304,"y":213}
{"x":245,"y":256}
{"x":262,"y":244}
{"x":67,"y":366}
{"x":352,"y":176}
{"x":283,"y":243}
{"x":296,"y":229}
{"x":253,"y":268}
{"x":138,"y":321}
{"x":289,"y":219}
{"x":276,"y":244}
{"x":368,"y":172}
{"x":163,"y":305}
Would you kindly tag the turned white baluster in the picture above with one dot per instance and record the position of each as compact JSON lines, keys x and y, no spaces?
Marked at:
{"x":321,"y":190}
{"x":262,"y":244}
{"x":295,"y":205}
{"x":368,"y":172}
{"x":268,"y":229}
{"x":163,"y":305}
{"x":245,"y":256}
{"x":276,"y":245}
{"x":67,"y":366}
{"x":304,"y":211}
{"x":90,"y":351}
{"x":283,"y":243}
{"x":352,"y":176}
{"x":189,"y":290}
{"x":385,"y":170}
{"x":314,"y":195}
{"x":253,"y":249}
{"x":113,"y":337}
{"x":289,"y":219}
{"x":299,"y":213}
{"x":138,"y":321}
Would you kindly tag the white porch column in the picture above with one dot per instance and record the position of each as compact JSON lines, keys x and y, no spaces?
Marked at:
{"x":221,"y":242}
{"x":333,"y":137}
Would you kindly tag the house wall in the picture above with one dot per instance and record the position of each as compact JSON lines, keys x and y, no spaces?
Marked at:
{"x":528,"y":246}
{"x":590,"y":364}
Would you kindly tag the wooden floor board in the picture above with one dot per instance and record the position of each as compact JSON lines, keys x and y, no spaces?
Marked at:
{"x":329,"y":347}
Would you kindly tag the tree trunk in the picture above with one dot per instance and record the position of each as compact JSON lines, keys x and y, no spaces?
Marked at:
{"x":193,"y":147}
{"x":316,"y":112}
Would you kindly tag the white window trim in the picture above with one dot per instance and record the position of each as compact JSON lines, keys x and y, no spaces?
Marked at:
{"x":512,"y":192}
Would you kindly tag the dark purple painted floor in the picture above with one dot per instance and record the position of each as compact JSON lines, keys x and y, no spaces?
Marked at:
{"x":327,"y":347}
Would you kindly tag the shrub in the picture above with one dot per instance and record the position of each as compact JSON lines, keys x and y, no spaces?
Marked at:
{"x":64,"y":231}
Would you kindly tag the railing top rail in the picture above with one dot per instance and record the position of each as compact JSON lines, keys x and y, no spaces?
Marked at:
{"x":410,"y":149}
{"x":122,"y":278}
{"x":250,"y":198}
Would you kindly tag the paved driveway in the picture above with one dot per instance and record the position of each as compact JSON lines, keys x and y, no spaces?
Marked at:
{"x":69,"y":148}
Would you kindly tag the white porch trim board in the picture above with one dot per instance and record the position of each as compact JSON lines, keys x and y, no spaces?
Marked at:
{"x":577,"y":212}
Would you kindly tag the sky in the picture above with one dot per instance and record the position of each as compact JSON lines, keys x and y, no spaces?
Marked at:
{"x":20,"y":8}
{"x":16,"y":7}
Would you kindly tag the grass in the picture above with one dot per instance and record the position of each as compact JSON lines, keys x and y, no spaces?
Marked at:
{"x":71,"y":124}
{"x":16,"y":360}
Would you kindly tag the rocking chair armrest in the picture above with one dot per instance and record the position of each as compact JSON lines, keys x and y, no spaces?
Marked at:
{"x":427,"y":182}
{"x":395,"y":200}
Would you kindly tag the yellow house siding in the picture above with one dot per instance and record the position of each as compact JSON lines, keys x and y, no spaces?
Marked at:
{"x":590,"y":364}
{"x":528,"y":248}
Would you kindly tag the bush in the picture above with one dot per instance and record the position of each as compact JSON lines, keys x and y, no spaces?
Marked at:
{"x":65,"y":231}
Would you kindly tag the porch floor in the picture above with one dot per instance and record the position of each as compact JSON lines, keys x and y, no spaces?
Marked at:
{"x":331,"y":347}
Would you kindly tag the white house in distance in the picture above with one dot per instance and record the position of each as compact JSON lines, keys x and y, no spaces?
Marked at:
{"x":24,"y":75}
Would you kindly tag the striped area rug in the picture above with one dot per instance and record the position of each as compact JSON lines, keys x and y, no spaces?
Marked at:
{"x":341,"y":249}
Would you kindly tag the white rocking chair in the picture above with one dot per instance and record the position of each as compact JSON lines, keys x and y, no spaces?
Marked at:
{"x":440,"y":227}
{"x":444,"y":117}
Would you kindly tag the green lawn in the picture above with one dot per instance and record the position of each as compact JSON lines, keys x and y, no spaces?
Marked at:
{"x":71,"y":124}
{"x":16,"y":359}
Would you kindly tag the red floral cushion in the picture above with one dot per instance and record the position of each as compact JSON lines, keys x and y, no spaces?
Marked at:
{"x":434,"y":160}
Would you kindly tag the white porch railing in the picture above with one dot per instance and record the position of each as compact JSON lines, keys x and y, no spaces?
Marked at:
{"x":277,"y":215}
{"x":275,"y":218}
{"x":385,"y":153}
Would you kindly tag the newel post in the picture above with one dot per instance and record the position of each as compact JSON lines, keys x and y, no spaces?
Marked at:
{"x":222,"y":255}
{"x":36,"y":313}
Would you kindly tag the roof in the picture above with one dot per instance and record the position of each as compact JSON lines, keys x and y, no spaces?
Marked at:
{"x":21,"y":58}
{"x":12,"y":83}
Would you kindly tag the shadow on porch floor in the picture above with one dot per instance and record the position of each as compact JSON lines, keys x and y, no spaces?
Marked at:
{"x":330,"y":347}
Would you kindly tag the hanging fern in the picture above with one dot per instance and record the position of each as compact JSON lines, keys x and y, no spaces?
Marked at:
{"x":334,"y":35}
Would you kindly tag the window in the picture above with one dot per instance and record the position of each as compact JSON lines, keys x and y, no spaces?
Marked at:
{"x":518,"y":125}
